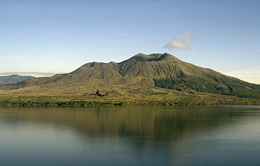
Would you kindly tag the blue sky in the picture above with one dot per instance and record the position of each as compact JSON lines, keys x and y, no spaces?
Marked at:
{"x":60,"y":36}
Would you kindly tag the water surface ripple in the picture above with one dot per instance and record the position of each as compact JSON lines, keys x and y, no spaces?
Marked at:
{"x":136,"y":135}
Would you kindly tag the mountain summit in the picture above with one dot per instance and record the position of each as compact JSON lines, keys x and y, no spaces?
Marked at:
{"x":153,"y":57}
{"x":141,"y":72}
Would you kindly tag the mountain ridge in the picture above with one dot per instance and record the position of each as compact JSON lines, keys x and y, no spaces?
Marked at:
{"x":138,"y":73}
{"x":11,"y":79}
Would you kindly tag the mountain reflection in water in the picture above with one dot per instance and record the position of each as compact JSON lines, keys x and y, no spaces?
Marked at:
{"x":132,"y":135}
{"x":154,"y":122}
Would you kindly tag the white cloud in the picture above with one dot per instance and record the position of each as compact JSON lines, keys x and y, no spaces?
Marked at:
{"x":180,"y":41}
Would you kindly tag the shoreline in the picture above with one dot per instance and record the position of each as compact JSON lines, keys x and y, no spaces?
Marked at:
{"x":91,"y":103}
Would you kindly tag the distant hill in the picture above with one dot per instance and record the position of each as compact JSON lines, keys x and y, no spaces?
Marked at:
{"x":12,"y":79}
{"x":141,"y":74}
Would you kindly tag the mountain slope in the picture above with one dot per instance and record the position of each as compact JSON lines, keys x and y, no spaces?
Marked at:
{"x":12,"y":79}
{"x":140,"y":72}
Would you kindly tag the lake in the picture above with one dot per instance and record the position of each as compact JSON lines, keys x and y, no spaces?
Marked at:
{"x":133,"y":135}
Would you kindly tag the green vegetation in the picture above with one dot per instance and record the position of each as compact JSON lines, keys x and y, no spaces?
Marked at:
{"x":12,"y":79}
{"x":157,"y":96}
{"x":214,"y":85}
{"x":156,"y":79}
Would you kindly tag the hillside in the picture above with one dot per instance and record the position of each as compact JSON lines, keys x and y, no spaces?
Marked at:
{"x":153,"y":77}
{"x":12,"y":79}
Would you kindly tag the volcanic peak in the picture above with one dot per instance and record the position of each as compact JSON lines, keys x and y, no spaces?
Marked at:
{"x":152,"y":57}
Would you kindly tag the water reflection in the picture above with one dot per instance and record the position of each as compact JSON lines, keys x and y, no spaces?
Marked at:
{"x":125,"y":135}
{"x":162,"y":123}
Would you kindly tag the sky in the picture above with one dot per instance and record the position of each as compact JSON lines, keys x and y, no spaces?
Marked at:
{"x":47,"y":36}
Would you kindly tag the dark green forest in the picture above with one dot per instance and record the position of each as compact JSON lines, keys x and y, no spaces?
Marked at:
{"x":211,"y":85}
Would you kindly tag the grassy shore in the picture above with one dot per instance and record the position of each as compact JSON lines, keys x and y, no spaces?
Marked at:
{"x":164,"y":99}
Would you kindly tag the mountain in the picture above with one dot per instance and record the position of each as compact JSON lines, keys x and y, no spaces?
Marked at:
{"x":33,"y":74}
{"x":141,"y":74}
{"x":12,"y":79}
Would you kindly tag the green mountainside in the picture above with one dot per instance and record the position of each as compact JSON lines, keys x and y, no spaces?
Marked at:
{"x":154,"y":77}
{"x":12,"y":79}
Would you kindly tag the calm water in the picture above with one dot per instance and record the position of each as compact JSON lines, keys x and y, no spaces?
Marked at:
{"x":181,"y":136}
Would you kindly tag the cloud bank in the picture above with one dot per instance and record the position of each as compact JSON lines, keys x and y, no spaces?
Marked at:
{"x":179,"y":42}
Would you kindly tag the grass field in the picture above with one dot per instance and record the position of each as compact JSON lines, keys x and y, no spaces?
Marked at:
{"x":156,"y":96}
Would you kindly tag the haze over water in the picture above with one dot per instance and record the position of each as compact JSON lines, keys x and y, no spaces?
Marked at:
{"x":139,"y":135}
